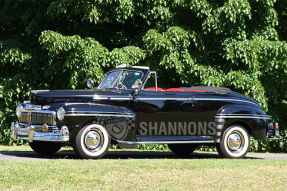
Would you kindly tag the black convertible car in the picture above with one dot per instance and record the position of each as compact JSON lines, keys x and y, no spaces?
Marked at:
{"x":128,"y":108}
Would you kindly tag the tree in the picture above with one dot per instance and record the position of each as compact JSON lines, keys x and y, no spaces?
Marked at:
{"x":59,"y":44}
{"x":281,"y":8}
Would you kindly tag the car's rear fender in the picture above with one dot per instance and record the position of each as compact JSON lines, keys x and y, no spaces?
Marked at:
{"x":252,"y":118}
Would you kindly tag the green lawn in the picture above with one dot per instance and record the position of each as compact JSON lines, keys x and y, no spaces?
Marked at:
{"x":142,"y":174}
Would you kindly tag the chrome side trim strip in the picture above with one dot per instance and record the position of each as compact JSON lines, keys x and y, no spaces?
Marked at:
{"x":164,"y":98}
{"x":120,"y":98}
{"x":96,"y":97}
{"x":243,"y":117}
{"x":99,"y":114}
{"x":111,"y":98}
{"x":79,"y":103}
{"x":165,"y":142}
{"x":219,"y":99}
{"x":174,"y":98}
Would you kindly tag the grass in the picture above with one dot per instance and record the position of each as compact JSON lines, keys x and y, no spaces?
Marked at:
{"x":142,"y":174}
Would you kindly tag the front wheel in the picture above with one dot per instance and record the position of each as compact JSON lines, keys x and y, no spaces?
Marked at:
{"x":182,"y":149}
{"x":45,"y":148}
{"x":235,"y":142}
{"x":92,"y":142}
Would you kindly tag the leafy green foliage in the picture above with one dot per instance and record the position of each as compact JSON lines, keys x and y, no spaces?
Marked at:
{"x":152,"y":147}
{"x":83,"y":58}
{"x":281,"y":9}
{"x":59,"y":44}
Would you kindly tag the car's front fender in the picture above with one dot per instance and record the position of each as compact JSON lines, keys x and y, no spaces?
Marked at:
{"x":119,"y":121}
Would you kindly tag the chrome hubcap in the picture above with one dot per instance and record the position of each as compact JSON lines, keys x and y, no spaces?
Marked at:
{"x":234,"y":142}
{"x":92,"y":140}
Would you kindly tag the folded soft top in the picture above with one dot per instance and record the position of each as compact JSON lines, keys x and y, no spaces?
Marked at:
{"x":218,"y":90}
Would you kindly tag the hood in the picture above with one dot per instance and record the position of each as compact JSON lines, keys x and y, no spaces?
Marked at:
{"x":47,"y":97}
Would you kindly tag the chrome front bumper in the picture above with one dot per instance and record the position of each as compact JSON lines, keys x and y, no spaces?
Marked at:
{"x":29,"y":133}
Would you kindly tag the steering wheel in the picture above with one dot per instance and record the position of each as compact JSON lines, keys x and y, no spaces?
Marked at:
{"x":123,"y":86}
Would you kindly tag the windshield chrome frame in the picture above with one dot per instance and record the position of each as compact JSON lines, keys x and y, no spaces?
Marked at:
{"x":117,"y":79}
{"x":155,"y":79}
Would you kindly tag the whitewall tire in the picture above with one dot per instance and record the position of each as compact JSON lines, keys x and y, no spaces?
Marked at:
{"x":234,"y":143}
{"x":92,"y":142}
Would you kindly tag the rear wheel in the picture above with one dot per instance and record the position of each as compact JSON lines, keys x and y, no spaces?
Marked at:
{"x":45,"y":148}
{"x":92,"y":142}
{"x":182,"y":149}
{"x":235,"y":142}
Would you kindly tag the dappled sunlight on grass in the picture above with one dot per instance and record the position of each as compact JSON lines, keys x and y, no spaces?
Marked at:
{"x":142,"y":174}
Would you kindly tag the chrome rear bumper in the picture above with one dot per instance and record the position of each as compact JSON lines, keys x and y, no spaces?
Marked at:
{"x":273,"y":132}
{"x":28,"y":132}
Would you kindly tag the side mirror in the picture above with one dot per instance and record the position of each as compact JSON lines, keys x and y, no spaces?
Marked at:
{"x":137,"y":86}
{"x":90,"y":83}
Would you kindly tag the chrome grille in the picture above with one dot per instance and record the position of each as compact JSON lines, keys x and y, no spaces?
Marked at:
{"x":37,"y":117}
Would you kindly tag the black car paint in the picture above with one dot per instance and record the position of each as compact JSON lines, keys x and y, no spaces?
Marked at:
{"x":153,"y":106}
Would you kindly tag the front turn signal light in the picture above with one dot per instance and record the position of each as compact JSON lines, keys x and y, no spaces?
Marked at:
{"x":44,"y":128}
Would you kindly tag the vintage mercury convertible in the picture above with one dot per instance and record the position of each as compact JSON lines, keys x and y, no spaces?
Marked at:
{"x":124,"y":110}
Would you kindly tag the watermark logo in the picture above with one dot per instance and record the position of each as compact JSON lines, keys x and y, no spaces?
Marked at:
{"x":177,"y":128}
{"x":117,"y":128}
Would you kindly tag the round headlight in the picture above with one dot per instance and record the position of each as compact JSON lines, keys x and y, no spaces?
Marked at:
{"x":19,"y":110}
{"x":61,"y":113}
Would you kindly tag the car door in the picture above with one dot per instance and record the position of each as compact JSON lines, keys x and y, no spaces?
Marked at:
{"x":163,"y":115}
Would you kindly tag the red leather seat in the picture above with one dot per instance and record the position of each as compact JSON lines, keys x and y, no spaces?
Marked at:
{"x":153,"y":88}
{"x":174,"y":90}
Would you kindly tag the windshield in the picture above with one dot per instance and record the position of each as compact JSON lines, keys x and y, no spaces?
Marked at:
{"x":123,"y":79}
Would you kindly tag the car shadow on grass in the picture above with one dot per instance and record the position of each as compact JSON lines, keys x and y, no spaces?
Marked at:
{"x":30,"y":155}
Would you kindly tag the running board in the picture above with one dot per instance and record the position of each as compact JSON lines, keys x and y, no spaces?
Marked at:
{"x":165,"y":142}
